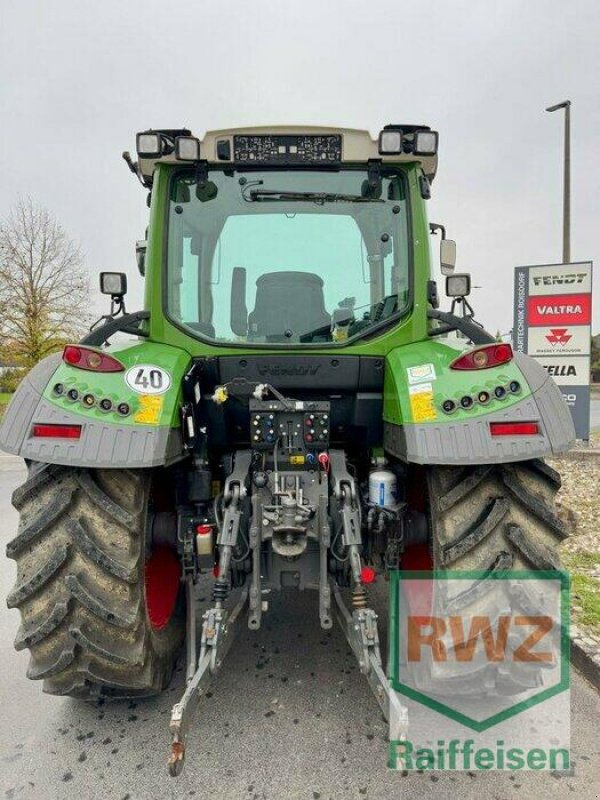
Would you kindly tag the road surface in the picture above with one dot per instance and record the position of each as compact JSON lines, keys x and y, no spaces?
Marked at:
{"x":289,"y":717}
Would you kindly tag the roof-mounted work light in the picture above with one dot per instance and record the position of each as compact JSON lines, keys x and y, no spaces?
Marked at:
{"x":425,"y":143}
{"x":187,"y":148}
{"x":149,"y":145}
{"x":390,"y":142}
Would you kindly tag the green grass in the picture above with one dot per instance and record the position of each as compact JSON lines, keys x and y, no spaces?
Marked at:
{"x":4,"y":401}
{"x":585,"y":593}
{"x":585,"y":590}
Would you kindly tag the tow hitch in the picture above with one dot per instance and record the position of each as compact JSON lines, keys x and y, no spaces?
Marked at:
{"x":218,"y":630}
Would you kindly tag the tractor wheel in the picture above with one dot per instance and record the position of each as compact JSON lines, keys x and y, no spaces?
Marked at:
{"x":492,"y":519}
{"x":100,"y":614}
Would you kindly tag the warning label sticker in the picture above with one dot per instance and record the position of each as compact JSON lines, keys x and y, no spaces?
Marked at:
{"x":421,"y":403}
{"x":149,"y":411}
{"x":420,"y":373}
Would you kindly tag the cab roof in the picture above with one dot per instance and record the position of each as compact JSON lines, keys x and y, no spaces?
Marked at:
{"x":282,"y":145}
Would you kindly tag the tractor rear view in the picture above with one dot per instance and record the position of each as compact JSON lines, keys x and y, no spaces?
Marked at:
{"x":290,"y":409}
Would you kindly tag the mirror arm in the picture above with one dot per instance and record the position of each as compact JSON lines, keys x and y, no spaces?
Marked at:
{"x":434,"y":227}
{"x":128,"y":323}
{"x":471,"y":329}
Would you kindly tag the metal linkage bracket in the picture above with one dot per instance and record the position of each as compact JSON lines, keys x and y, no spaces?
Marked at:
{"x":233,"y":493}
{"x":361,"y":632}
{"x":324,"y":543}
{"x":218,"y":630}
{"x":344,"y":490}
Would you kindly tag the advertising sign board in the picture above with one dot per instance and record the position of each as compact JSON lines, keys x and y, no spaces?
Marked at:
{"x":552,"y":323}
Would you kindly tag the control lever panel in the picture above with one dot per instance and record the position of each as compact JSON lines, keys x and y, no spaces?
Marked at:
{"x":296,"y":426}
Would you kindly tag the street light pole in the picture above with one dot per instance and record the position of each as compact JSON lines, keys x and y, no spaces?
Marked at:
{"x":566,"y":180}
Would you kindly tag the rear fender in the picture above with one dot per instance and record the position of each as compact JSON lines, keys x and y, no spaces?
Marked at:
{"x":148,"y":436}
{"x":416,"y":428}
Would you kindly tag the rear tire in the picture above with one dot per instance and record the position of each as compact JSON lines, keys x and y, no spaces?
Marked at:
{"x":491,"y":519}
{"x":495,"y":516}
{"x":81,"y":554}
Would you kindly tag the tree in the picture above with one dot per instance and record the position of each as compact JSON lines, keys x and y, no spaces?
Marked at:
{"x":44,"y":287}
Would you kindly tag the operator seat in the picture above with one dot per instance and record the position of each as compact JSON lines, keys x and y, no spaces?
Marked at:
{"x":287,"y":301}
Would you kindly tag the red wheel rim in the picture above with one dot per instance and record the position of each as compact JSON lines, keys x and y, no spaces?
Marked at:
{"x":161,"y":579}
{"x":417,"y":557}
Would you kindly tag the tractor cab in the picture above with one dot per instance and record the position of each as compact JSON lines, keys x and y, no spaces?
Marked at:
{"x":288,"y":240}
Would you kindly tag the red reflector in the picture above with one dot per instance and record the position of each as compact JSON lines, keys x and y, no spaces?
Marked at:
{"x":92,"y":360}
{"x":203,"y":530}
{"x":514,"y":428}
{"x":490,"y":355}
{"x":72,"y":355}
{"x":367,"y":575}
{"x":56,"y":431}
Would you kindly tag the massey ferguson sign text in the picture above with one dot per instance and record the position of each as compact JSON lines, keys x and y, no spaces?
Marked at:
{"x":552,"y":323}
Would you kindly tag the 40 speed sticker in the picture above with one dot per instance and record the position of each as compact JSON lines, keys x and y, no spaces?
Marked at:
{"x":148,"y":379}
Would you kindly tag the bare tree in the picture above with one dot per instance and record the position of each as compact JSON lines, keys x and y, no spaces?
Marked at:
{"x":44,"y":288}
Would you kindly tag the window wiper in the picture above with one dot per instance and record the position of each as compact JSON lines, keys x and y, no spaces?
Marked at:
{"x":320,"y":198}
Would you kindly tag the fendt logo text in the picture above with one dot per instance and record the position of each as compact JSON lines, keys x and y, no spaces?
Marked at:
{"x":279,"y":371}
{"x":560,"y":280}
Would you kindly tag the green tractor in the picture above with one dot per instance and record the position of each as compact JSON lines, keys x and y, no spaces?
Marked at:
{"x":290,"y":409}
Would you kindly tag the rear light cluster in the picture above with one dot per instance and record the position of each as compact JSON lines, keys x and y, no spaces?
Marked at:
{"x":490,"y":355}
{"x":483,"y":397}
{"x":92,"y":360}
{"x":89,"y":400}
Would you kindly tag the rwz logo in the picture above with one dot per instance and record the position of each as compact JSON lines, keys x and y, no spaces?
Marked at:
{"x":558,"y":336}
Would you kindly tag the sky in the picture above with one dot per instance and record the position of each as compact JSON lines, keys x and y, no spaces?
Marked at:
{"x":80,"y":77}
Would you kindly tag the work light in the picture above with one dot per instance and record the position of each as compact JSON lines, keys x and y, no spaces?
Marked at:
{"x":458,"y":285}
{"x":187,"y":148}
{"x":148,"y":145}
{"x":390,"y":142}
{"x":425,"y":143}
{"x":113,"y":283}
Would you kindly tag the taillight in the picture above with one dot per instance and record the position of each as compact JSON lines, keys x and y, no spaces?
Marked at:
{"x":51,"y":431}
{"x":490,"y":355}
{"x":86,"y":358}
{"x":514,"y":428}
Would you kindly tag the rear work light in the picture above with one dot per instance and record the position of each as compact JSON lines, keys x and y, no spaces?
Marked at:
{"x":93,"y":360}
{"x":490,"y":355}
{"x":51,"y":431}
{"x":514,"y":428}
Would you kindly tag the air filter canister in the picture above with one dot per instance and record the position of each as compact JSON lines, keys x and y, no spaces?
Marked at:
{"x":383,"y":488}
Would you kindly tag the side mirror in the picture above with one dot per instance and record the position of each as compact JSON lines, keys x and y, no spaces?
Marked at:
{"x":140,"y":256}
{"x":239,"y":311}
{"x":113,"y":283}
{"x":458,"y":285}
{"x":447,"y":256}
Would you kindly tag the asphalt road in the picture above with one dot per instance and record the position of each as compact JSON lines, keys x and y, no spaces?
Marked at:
{"x":289,"y":717}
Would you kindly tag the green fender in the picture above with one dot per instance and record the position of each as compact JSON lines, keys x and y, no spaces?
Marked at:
{"x":140,"y":425}
{"x":418,"y":380}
